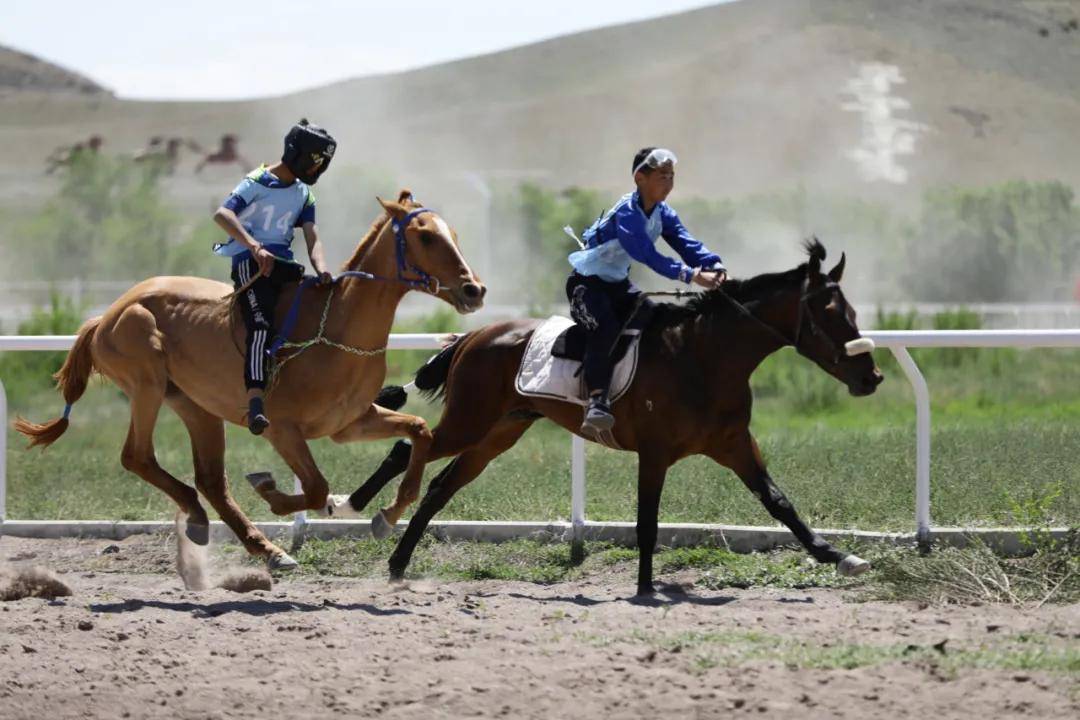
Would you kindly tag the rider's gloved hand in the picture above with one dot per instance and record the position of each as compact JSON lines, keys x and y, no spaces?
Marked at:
{"x":324,"y":278}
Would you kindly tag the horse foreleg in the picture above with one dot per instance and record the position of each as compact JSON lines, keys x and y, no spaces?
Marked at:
{"x":379,"y":423}
{"x":745,"y":459}
{"x":293,"y":448}
{"x":392,"y":465}
{"x":208,"y":453}
{"x":652,"y":471}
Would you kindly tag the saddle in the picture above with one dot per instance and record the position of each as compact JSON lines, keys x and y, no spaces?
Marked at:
{"x":556,"y":374}
{"x":570,"y":344}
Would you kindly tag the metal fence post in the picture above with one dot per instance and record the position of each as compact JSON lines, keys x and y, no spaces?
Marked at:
{"x":577,"y":496}
{"x":922,"y":446}
{"x":3,"y":457}
{"x":299,"y":527}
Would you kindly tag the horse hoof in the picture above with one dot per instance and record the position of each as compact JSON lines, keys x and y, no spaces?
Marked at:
{"x":282,"y":561}
{"x":338,"y":507}
{"x":852,"y":566}
{"x":646,"y":591}
{"x":380,"y":528}
{"x":261,"y":481}
{"x":196,"y":533}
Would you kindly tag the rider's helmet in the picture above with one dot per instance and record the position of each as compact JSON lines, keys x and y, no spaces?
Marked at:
{"x":308,"y":151}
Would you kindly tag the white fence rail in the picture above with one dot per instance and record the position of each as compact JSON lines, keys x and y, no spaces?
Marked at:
{"x":897,"y":341}
{"x":19,"y":299}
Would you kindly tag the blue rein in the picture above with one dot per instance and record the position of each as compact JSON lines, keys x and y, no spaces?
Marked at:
{"x":423,"y":281}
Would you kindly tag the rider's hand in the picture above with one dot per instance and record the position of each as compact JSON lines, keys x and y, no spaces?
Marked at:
{"x":324,"y":278}
{"x":709,"y":279}
{"x":265,"y":260}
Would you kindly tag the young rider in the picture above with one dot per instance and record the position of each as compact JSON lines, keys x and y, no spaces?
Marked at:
{"x":600,"y":292}
{"x":259,"y":216}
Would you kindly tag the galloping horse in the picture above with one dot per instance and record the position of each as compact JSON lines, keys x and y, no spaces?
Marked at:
{"x":691,"y":396}
{"x":174,"y":340}
{"x":227,"y":153}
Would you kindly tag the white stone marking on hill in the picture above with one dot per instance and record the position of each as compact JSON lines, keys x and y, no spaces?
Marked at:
{"x":884,"y":136}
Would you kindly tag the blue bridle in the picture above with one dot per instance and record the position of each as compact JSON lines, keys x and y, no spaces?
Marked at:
{"x":423,"y":280}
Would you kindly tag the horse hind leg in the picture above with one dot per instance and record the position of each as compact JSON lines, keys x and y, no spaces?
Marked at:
{"x":138,"y":456}
{"x":460,"y":472}
{"x":128,"y":350}
{"x":207,"y":434}
{"x":465,"y":424}
{"x":395,"y":462}
{"x":745,"y":459}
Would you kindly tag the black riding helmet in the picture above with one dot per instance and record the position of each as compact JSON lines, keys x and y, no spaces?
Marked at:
{"x":308,"y":151}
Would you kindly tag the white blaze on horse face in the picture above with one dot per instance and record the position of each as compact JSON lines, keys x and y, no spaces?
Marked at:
{"x":444,"y":230}
{"x":861,"y":346}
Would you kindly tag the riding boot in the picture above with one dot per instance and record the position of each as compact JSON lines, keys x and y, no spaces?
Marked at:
{"x":598,"y":417}
{"x":257,"y":420}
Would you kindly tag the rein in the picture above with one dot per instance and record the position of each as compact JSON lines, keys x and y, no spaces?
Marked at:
{"x":423,"y":282}
{"x":804,"y":298}
{"x":281,"y":342}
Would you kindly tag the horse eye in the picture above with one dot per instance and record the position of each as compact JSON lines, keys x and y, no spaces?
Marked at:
{"x":425,"y":237}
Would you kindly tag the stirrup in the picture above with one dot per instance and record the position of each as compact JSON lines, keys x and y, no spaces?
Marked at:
{"x":598,"y":417}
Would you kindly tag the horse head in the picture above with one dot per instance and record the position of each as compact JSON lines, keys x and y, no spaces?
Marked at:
{"x":826,"y":330}
{"x":428,"y":256}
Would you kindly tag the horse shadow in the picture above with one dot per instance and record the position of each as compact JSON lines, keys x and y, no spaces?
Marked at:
{"x":666,"y":595}
{"x":254,"y":608}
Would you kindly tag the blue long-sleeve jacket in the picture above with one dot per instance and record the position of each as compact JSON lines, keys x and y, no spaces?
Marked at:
{"x":624,"y":233}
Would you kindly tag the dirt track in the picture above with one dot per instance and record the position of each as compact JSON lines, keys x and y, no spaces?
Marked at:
{"x":138,"y":645}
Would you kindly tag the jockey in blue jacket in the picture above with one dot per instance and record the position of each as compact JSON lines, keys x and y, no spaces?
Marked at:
{"x":599,"y":290}
{"x":260,"y":215}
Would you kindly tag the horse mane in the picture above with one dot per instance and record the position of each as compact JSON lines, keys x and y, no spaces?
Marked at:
{"x":368,"y":241}
{"x":713,"y":303}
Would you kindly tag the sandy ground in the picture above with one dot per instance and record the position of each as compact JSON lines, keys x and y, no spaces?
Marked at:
{"x":136,"y":644}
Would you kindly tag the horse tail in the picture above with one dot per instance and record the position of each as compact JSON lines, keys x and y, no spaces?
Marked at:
{"x":430,"y":378}
{"x":71,"y":379}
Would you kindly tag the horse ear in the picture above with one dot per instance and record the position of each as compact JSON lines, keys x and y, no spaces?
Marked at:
{"x":405,"y":195}
{"x":394,"y":209}
{"x":838,"y":272}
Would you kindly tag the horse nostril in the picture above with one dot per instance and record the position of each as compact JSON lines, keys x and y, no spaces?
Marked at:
{"x":472,"y":290}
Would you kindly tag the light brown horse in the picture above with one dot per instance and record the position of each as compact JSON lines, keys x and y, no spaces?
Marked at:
{"x":691,"y":396}
{"x":174,"y":340}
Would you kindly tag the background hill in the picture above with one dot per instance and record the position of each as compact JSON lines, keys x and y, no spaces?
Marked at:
{"x":875,"y":100}
{"x":21,"y":71}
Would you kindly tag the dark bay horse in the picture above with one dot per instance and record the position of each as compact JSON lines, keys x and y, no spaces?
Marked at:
{"x":691,"y":396}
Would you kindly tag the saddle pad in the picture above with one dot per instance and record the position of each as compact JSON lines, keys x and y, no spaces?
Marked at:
{"x":542,"y":375}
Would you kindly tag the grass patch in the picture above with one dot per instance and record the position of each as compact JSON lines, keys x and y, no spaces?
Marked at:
{"x":549,"y":562}
{"x":728,"y":648}
{"x":1051,"y":573}
{"x":1004,"y":438}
